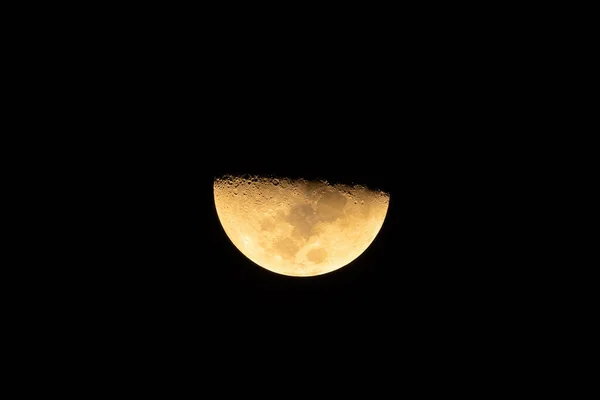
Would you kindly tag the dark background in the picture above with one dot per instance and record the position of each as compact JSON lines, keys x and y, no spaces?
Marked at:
{"x":171,"y":117}
{"x":154,"y":111}
{"x":406,"y":132}
{"x":428,"y":270}
{"x":432,"y":285}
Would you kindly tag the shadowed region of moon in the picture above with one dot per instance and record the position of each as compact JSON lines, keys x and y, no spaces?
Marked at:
{"x":286,"y":247}
{"x":330,"y":206}
{"x":298,"y":227}
{"x":303,"y":218}
{"x":316,"y":255}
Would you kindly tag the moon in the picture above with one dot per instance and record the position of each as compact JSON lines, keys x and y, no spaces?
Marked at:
{"x":297,"y":227}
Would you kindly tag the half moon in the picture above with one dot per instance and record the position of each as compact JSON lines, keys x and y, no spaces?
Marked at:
{"x":297,"y":227}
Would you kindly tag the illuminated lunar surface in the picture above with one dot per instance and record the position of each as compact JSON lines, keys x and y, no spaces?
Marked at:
{"x":299,"y":227}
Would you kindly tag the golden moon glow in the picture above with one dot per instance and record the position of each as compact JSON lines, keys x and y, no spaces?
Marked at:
{"x":299,"y":227}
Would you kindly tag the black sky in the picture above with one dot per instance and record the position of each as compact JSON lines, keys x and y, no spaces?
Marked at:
{"x":418,"y":265}
{"x":163,"y":110}
{"x":409,"y":133}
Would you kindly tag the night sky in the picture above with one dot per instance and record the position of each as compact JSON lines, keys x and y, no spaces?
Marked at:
{"x":419,"y":119}
{"x":428,"y":270}
{"x":419,"y":269}
{"x":170,"y":281}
